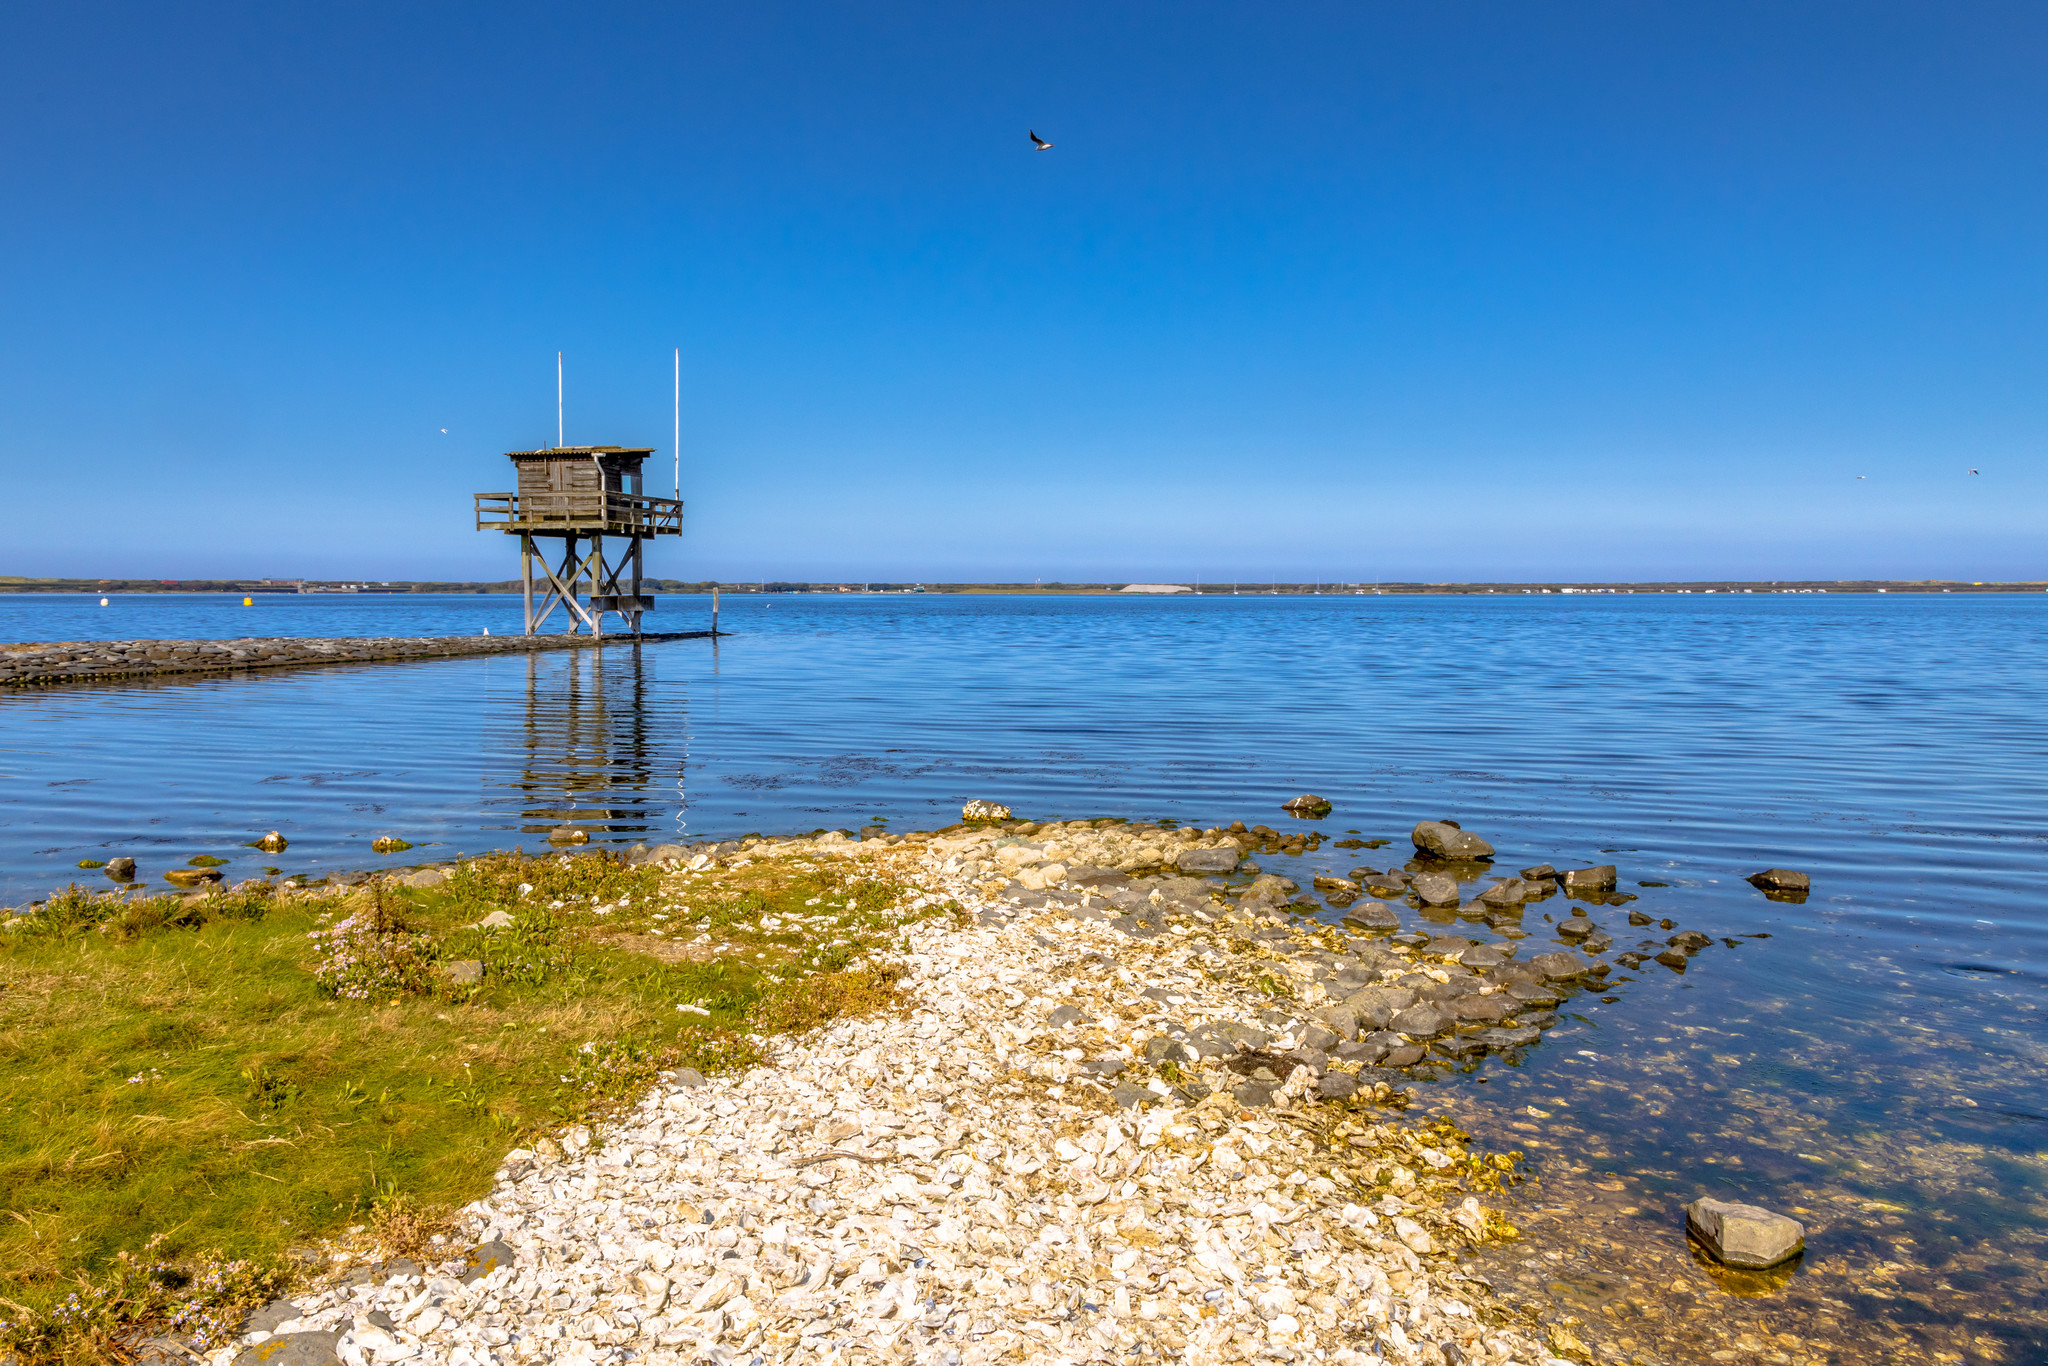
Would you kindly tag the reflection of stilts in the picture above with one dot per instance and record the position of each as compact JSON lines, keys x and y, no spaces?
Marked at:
{"x":594,"y":748}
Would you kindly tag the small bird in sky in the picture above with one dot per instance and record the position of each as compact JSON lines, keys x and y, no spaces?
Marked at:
{"x":444,"y":431}
{"x":1973,"y":471}
{"x":1039,"y":144}
{"x":1862,"y":476}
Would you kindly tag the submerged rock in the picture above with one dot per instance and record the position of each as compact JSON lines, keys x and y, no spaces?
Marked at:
{"x":1307,"y":804}
{"x":1746,"y":1236}
{"x":121,"y":869}
{"x":1780,"y":880}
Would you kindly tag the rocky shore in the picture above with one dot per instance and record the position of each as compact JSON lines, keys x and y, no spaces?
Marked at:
{"x":1130,"y":1110}
{"x":41,"y":664}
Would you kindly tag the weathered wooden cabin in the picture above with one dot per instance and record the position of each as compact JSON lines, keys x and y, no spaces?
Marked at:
{"x":581,"y":494}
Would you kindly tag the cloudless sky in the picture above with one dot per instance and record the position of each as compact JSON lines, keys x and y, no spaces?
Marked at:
{"x":1348,"y":291}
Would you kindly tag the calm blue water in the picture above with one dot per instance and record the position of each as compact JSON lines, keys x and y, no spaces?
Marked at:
{"x":1895,"y":747}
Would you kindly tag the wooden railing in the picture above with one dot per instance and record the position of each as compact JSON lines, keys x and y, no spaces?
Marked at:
{"x":616,"y":514}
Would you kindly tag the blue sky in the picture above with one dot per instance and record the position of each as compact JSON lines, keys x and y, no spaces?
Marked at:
{"x":1343,"y":291}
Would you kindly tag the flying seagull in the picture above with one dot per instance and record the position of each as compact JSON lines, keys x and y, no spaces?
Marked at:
{"x":1039,"y":144}
{"x":1973,"y":471}
{"x":444,"y":431}
{"x":1862,"y":476}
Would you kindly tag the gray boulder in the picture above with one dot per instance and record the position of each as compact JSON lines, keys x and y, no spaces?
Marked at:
{"x":1435,"y":889}
{"x":1510,"y":892}
{"x":1440,"y":839}
{"x":1599,"y":879}
{"x":1062,"y":1016}
{"x":1372,"y":915}
{"x":1268,"y":889}
{"x":485,"y":1258}
{"x":1337,"y":1086}
{"x":1419,"y":1022}
{"x":1375,"y":1006}
{"x":121,"y":869}
{"x":1558,"y":967}
{"x":1769,"y":880}
{"x":293,"y":1349}
{"x":1746,"y":1236}
{"x":1206,"y":860}
{"x":1340,"y":1018}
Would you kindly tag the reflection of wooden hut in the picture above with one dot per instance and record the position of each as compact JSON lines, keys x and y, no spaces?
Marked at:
{"x":581,"y":493}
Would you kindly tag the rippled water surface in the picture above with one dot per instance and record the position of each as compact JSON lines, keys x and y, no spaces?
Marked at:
{"x":1875,"y":1062}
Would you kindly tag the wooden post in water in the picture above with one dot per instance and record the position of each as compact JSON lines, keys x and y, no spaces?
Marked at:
{"x":714,"y":609}
{"x":526,"y":576}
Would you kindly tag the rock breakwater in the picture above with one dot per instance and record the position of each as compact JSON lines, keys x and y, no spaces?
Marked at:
{"x":42,"y":664}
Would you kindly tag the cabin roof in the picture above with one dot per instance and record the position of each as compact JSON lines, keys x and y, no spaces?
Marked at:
{"x":580,"y":452}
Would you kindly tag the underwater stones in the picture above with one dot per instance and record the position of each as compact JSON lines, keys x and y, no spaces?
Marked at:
{"x":1746,"y":1236}
{"x":1440,"y":839}
{"x":1344,"y":885}
{"x":391,"y":844}
{"x":1435,"y":889}
{"x":1600,"y":879}
{"x":1511,"y":1036}
{"x":1673,"y":959}
{"x":272,"y":843}
{"x":1780,"y":880}
{"x":1691,"y":941}
{"x":979,"y":810}
{"x":191,"y":877}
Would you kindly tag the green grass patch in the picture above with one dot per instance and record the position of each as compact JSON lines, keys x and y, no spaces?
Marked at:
{"x":194,"y":1082}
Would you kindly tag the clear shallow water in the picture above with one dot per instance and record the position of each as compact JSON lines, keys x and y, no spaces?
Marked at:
{"x":1894,"y":747}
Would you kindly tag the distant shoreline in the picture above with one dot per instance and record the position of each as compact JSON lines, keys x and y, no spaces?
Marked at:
{"x":395,"y":587}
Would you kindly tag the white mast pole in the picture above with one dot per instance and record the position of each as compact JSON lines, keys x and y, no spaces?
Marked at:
{"x":558,"y":400}
{"x":679,"y":422}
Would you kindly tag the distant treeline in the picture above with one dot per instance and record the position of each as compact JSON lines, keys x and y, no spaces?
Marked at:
{"x":18,"y":584}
